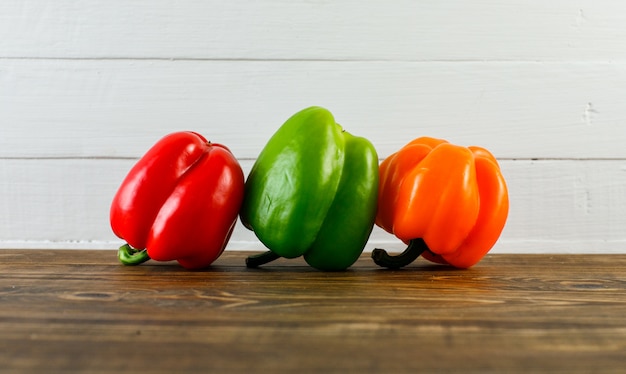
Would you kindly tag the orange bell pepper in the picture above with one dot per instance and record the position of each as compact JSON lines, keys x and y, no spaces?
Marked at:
{"x":448,"y":202}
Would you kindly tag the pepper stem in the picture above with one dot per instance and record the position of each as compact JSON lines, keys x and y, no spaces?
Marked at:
{"x":411,"y":253}
{"x":261,"y":259}
{"x":130,"y":256}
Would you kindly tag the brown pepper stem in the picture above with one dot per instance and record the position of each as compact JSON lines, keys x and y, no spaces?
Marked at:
{"x":261,"y":259}
{"x":411,"y":253}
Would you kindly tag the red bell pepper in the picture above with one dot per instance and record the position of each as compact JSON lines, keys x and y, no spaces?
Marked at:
{"x":180,"y":202}
{"x":448,"y":202}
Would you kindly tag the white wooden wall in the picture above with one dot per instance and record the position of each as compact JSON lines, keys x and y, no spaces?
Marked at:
{"x":86,"y":87}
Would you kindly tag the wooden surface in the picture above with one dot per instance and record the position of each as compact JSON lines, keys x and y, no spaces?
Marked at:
{"x":80,"y":311}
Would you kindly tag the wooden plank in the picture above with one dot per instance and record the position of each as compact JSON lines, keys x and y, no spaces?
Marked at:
{"x":564,"y":206}
{"x":376,"y":30}
{"x":68,"y":311}
{"x":119,"y":108}
{"x":573,"y":206}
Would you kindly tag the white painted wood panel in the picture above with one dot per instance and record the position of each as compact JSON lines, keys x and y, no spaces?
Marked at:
{"x":557,"y":206}
{"x":87,"y":86}
{"x":94,"y":108}
{"x":526,"y":30}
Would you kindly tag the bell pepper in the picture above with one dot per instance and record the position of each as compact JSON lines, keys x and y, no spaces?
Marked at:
{"x":312,"y":192}
{"x":447,"y":202}
{"x":180,"y":201}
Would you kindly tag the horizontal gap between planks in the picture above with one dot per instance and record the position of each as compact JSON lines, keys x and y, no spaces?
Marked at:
{"x":347,"y":60}
{"x":52,"y":158}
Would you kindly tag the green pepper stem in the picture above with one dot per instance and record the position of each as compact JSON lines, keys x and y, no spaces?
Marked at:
{"x":130,"y":256}
{"x":261,"y":259}
{"x":411,"y":253}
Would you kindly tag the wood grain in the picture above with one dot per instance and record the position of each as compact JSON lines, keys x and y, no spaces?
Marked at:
{"x":80,"y":311}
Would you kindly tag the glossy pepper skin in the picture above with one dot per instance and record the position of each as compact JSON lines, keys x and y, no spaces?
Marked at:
{"x":450,"y":203}
{"x":312,"y":192}
{"x":180,"y":201}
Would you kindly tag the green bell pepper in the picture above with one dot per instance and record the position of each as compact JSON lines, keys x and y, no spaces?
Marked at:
{"x":312,"y":192}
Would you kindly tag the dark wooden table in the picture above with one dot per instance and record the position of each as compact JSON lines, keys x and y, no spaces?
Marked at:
{"x":80,"y":311}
